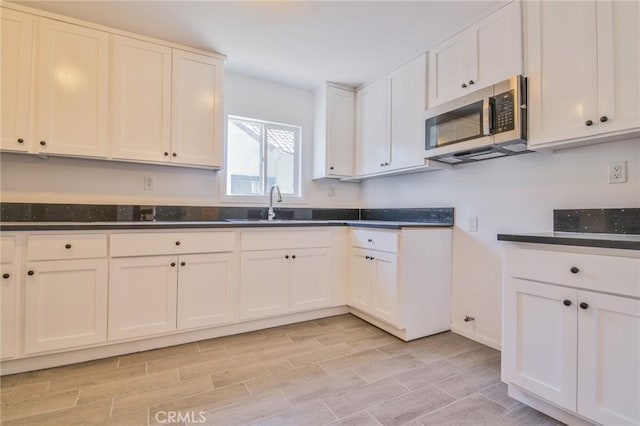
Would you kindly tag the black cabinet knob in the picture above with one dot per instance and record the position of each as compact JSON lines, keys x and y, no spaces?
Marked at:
{"x":43,"y":143}
{"x":464,"y":86}
{"x":589,"y":123}
{"x":286,"y":256}
{"x":574,"y":270}
{"x":177,"y":243}
{"x":183,"y":263}
{"x":5,"y":276}
{"x":604,"y":119}
{"x":372,"y":258}
{"x":173,"y":264}
{"x":67,"y":246}
{"x":369,"y":240}
{"x":366,"y":257}
{"x":381,"y":164}
{"x":471,"y":82}
{"x":20,"y":140}
{"x":174,"y":154}
{"x":166,"y":154}
{"x":584,"y":305}
{"x":30,"y":273}
{"x":293,"y":257}
{"x":331,"y":168}
{"x":566,"y":302}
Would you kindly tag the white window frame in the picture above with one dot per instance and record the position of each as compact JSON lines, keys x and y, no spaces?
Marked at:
{"x":262,"y":199}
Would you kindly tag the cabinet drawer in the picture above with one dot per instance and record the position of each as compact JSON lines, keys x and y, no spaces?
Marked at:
{"x":7,"y":249}
{"x":149,"y":244}
{"x":611,"y":274}
{"x":279,"y":240}
{"x":375,"y":240}
{"x":71,"y":246}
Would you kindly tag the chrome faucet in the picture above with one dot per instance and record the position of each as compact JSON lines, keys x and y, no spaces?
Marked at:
{"x":272,"y":214}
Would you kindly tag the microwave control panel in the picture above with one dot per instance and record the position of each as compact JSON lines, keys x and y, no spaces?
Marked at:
{"x":505,"y":110}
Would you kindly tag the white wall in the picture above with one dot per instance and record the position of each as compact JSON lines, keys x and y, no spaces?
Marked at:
{"x":72,"y":180}
{"x":515,"y":194}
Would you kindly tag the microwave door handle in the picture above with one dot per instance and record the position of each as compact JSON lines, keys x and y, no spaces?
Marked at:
{"x":488,"y":119}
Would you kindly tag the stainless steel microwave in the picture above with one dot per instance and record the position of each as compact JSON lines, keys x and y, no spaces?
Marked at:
{"x":488,"y":123}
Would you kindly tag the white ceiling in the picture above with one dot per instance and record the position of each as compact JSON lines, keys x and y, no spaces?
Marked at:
{"x":301,"y":43}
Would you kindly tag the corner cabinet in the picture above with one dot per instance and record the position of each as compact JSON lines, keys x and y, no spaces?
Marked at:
{"x":486,"y":53}
{"x":564,"y":340}
{"x":395,"y":287}
{"x":17,"y":59}
{"x":72,"y":96}
{"x":390,"y":123}
{"x":582,"y":62}
{"x":333,"y":132}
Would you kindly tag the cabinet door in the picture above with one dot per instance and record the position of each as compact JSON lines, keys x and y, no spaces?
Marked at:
{"x":609,"y":359}
{"x":17,"y":52}
{"x":140,"y":100}
{"x":618,"y":65}
{"x":540,"y":340}
{"x":72,"y":96}
{"x":385,"y":294}
{"x":360,"y":276}
{"x":206,"y":290}
{"x":142,"y":296}
{"x":8,"y":313}
{"x":196,"y":124}
{"x":65,"y":304}
{"x":373,"y":127}
{"x":495,"y":52}
{"x":448,"y":70}
{"x":264,"y":283}
{"x":309,"y":279}
{"x":340,"y":132}
{"x":408,"y":102}
{"x":562,"y":70}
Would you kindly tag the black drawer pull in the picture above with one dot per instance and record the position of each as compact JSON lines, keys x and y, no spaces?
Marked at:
{"x":6,"y":276}
{"x":30,"y":273}
{"x":67,"y":246}
{"x":574,"y":270}
{"x":566,"y":302}
{"x":177,"y":243}
{"x":584,"y":305}
{"x":287,"y":256}
{"x":173,"y":264}
{"x":182,"y":263}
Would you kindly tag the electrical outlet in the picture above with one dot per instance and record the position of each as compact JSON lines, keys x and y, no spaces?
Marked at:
{"x":618,"y":172}
{"x":149,"y":183}
{"x":472,"y":224}
{"x":331,"y":192}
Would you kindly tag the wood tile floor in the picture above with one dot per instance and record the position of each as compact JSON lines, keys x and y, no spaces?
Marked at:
{"x":337,"y":370}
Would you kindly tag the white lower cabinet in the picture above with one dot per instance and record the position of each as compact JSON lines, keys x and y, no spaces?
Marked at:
{"x":65,"y":304}
{"x":142,"y":296}
{"x":572,"y":348}
{"x":393,"y":285}
{"x":206,"y":290}
{"x":263,"y":284}
{"x":8,"y":311}
{"x":309,"y":278}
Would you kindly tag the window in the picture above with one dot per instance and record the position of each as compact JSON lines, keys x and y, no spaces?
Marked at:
{"x":261,"y":154}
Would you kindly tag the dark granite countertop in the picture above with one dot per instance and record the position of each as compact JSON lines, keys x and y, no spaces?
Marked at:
{"x":231,"y":223}
{"x":603,"y":240}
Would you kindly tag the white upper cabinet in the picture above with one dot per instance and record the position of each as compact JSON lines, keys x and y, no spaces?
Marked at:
{"x":373,"y":150}
{"x":583,"y":62}
{"x":140,"y":100}
{"x":408,"y":102}
{"x":333,"y":132}
{"x":72,"y":90}
{"x":17,"y":54}
{"x":197,"y":118}
{"x":486,"y":53}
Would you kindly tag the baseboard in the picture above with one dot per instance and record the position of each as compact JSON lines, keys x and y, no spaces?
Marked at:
{"x":492,"y":343}
{"x":106,"y":350}
{"x":547,"y":408}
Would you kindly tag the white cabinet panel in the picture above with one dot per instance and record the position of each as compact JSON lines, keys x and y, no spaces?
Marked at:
{"x":73,"y":83}
{"x":8,"y":319}
{"x":609,"y":358}
{"x":540,"y":340}
{"x":197,"y":99}
{"x":142,"y":296}
{"x":373,"y":149}
{"x":65,"y":304}
{"x":264,"y":289}
{"x":310,"y":282}
{"x":140,"y":100}
{"x":206,"y":290}
{"x":17,"y":57}
{"x":340,"y":132}
{"x":360,"y":280}
{"x":448,"y":70}
{"x":385,"y":294}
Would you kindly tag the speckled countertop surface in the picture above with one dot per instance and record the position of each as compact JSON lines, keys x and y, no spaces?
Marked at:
{"x":603,"y":240}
